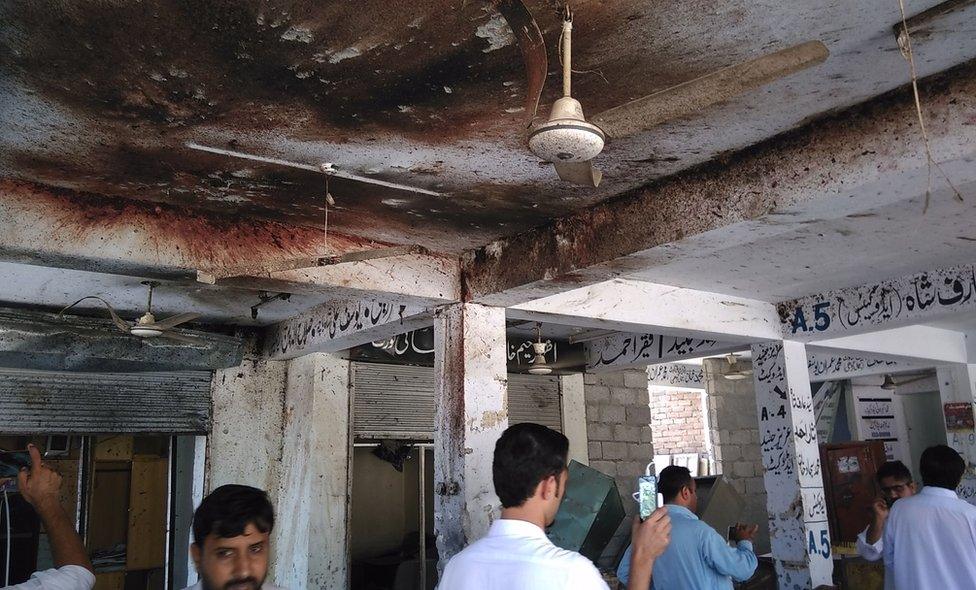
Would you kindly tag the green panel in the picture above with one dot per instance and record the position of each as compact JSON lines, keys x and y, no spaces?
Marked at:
{"x":590,"y":513}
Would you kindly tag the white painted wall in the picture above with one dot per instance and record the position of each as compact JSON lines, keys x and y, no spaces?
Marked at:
{"x":574,"y":416}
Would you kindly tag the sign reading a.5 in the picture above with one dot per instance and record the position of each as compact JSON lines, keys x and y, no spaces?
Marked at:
{"x":824,"y":546}
{"x":821,"y":319}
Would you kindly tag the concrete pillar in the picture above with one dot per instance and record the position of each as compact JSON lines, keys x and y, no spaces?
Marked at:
{"x":245,"y":444}
{"x":957,"y":385}
{"x":471,"y":401}
{"x":791,"y":464}
{"x":313,"y":491}
{"x":574,"y":416}
{"x":284,"y":427}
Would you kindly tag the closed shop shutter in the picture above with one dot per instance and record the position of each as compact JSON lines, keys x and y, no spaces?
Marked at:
{"x":95,"y":403}
{"x":397,"y":401}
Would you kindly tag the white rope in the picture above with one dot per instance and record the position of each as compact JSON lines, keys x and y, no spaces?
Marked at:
{"x":905,"y":45}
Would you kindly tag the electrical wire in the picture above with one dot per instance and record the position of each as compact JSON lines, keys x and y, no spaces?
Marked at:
{"x":6,"y":509}
{"x":904,"y":40}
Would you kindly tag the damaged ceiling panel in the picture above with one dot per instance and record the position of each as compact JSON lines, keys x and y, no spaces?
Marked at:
{"x":101,"y":98}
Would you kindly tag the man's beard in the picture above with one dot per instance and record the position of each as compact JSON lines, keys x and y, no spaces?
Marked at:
{"x":254,"y":583}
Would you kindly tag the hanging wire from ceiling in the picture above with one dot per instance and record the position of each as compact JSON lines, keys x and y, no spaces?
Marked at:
{"x":905,"y":45}
{"x":326,"y":169}
{"x":567,"y":15}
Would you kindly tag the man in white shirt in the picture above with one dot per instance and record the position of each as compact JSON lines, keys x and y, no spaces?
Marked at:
{"x":530,"y":475}
{"x":231,"y":539}
{"x":895,"y":481}
{"x":41,"y":486}
{"x":930,"y":538}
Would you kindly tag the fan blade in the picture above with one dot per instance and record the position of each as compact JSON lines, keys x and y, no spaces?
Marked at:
{"x":694,"y":95}
{"x":181,"y":338}
{"x":582,"y":173}
{"x":171,"y":322}
{"x":533,"y":47}
{"x":119,"y":322}
{"x":310,"y":168}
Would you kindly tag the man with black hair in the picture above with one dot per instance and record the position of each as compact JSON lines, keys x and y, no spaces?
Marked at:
{"x":930,"y":538}
{"x":530,"y":472}
{"x":698,"y":557}
{"x":895,"y":481}
{"x":231,"y":539}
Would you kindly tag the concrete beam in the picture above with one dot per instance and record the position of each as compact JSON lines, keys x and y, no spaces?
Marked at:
{"x":623,"y":351}
{"x":41,"y":341}
{"x":873,"y":151}
{"x":919,"y":345}
{"x":636,"y":306}
{"x":676,"y":375}
{"x":60,"y":228}
{"x":410,"y":278}
{"x":910,"y":299}
{"x":339,"y":325}
{"x":826,"y":365}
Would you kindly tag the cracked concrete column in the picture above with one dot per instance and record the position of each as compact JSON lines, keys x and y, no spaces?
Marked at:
{"x":795,"y":500}
{"x":471,"y":401}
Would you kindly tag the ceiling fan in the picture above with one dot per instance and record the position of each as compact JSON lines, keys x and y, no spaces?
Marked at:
{"x":736,"y":371}
{"x":146,"y":326}
{"x":889,"y":384}
{"x":570,"y":142}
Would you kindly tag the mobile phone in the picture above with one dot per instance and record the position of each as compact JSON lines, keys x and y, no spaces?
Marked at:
{"x":10,"y":464}
{"x":647,"y":494}
{"x":731,"y":532}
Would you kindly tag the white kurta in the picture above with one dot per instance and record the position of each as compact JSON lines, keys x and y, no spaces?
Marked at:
{"x":869,"y":551}
{"x":930,"y":542}
{"x":69,"y":577}
{"x":517,"y":555}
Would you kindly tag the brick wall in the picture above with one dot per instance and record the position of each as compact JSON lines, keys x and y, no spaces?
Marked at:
{"x":676,"y":421}
{"x":619,"y":438}
{"x":735,"y":438}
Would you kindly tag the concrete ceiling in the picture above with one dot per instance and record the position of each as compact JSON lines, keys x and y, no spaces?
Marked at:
{"x":97,"y":100}
{"x":879,"y":244}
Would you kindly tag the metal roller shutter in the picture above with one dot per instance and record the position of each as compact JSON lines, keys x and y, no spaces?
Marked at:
{"x":94,"y":403}
{"x":534,"y":398}
{"x":397,"y":401}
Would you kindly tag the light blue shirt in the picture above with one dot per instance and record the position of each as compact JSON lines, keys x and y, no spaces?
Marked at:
{"x":930,"y":542}
{"x":698,"y":558}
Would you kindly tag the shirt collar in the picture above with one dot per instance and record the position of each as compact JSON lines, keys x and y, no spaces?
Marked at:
{"x":510,"y":527}
{"x":675,"y":510}
{"x":937,"y":491}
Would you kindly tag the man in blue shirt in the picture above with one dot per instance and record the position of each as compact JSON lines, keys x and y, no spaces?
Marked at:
{"x":698,"y":557}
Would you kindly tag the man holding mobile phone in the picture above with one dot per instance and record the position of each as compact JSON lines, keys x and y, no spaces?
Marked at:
{"x":698,"y":557}
{"x":530,"y":474}
{"x":895,"y":481}
{"x":40,"y":486}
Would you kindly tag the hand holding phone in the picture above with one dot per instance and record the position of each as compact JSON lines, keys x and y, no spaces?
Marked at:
{"x":11,"y":462}
{"x":647,"y":495}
